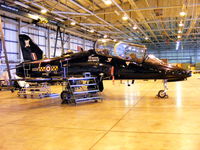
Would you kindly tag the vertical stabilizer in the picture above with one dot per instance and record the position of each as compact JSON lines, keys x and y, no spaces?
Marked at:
{"x":30,"y":50}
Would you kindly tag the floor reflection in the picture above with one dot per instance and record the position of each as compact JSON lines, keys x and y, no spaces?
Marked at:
{"x":131,"y":95}
{"x":178,"y":94}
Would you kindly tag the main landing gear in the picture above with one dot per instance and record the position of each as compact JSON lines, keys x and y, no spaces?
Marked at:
{"x":163,"y":93}
{"x":66,"y":97}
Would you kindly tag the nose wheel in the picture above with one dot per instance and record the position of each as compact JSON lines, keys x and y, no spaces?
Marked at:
{"x":163,"y":93}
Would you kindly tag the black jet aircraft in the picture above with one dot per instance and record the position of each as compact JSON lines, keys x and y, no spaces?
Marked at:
{"x":108,"y":59}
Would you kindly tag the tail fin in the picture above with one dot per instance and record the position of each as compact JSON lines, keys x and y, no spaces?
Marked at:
{"x":30,"y":50}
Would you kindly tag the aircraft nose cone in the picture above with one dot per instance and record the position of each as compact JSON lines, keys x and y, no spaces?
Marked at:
{"x":189,"y":73}
{"x":186,"y":73}
{"x":181,"y":72}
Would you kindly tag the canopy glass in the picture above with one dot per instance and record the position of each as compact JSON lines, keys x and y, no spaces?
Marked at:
{"x":126,"y":51}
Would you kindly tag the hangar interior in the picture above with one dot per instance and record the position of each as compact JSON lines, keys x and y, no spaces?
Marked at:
{"x":130,"y":115}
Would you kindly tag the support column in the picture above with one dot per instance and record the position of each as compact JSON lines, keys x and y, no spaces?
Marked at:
{"x":69,"y":38}
{"x":48,"y":44}
{"x":5,"y":51}
{"x":83,"y":43}
{"x":19,"y":56}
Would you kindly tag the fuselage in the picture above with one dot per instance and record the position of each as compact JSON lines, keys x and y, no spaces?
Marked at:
{"x":97,"y":64}
{"x":58,"y":67}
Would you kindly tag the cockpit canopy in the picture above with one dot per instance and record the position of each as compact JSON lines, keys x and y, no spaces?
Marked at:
{"x":126,"y":51}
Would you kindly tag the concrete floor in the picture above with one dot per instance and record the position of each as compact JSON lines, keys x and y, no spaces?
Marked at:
{"x":128,"y":118}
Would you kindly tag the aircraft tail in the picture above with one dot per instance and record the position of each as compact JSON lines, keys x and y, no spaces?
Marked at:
{"x":30,"y":50}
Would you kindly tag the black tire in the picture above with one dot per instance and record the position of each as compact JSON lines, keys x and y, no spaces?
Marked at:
{"x":162,"y":94}
{"x":65,"y":96}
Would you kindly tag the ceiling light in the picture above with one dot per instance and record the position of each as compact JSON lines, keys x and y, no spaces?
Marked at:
{"x":179,"y":31}
{"x":146,"y":38}
{"x":91,"y":31}
{"x":105,"y":36}
{"x":179,"y":36}
{"x":107,"y":2}
{"x":69,"y":13}
{"x":103,"y":40}
{"x":73,"y":23}
{"x":135,"y":27}
{"x":182,"y":14}
{"x":43,"y":11}
{"x":130,"y":39}
{"x":35,"y":17}
{"x":181,"y":25}
{"x":21,"y":4}
{"x":125,"y":17}
{"x":61,"y":20}
{"x":115,"y":40}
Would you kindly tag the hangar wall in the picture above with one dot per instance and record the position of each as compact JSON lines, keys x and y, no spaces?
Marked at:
{"x":39,"y":35}
{"x":44,"y":37}
{"x":191,"y":56}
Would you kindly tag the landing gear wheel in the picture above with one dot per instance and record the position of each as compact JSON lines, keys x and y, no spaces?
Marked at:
{"x":65,"y":96}
{"x":162,"y":94}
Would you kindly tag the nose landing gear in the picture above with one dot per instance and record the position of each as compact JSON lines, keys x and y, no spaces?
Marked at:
{"x":163,"y":93}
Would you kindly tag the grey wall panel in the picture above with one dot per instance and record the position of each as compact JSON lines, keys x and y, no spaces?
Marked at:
{"x":39,"y":36}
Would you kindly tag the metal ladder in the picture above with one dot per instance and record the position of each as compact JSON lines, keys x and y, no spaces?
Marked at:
{"x":81,"y":89}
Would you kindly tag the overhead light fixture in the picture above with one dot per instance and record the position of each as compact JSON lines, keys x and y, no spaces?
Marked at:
{"x":130,"y":39}
{"x":182,"y":14}
{"x":44,"y":11}
{"x":179,"y":31}
{"x":35,"y":17}
{"x":73,"y":23}
{"x":91,"y":31}
{"x":21,"y":4}
{"x":125,"y":17}
{"x":69,"y":13}
{"x":103,"y":40}
{"x":107,"y":2}
{"x":181,"y":24}
{"x":146,"y":38}
{"x":61,"y":20}
{"x":179,"y":36}
{"x":105,"y":36}
{"x":135,"y":27}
